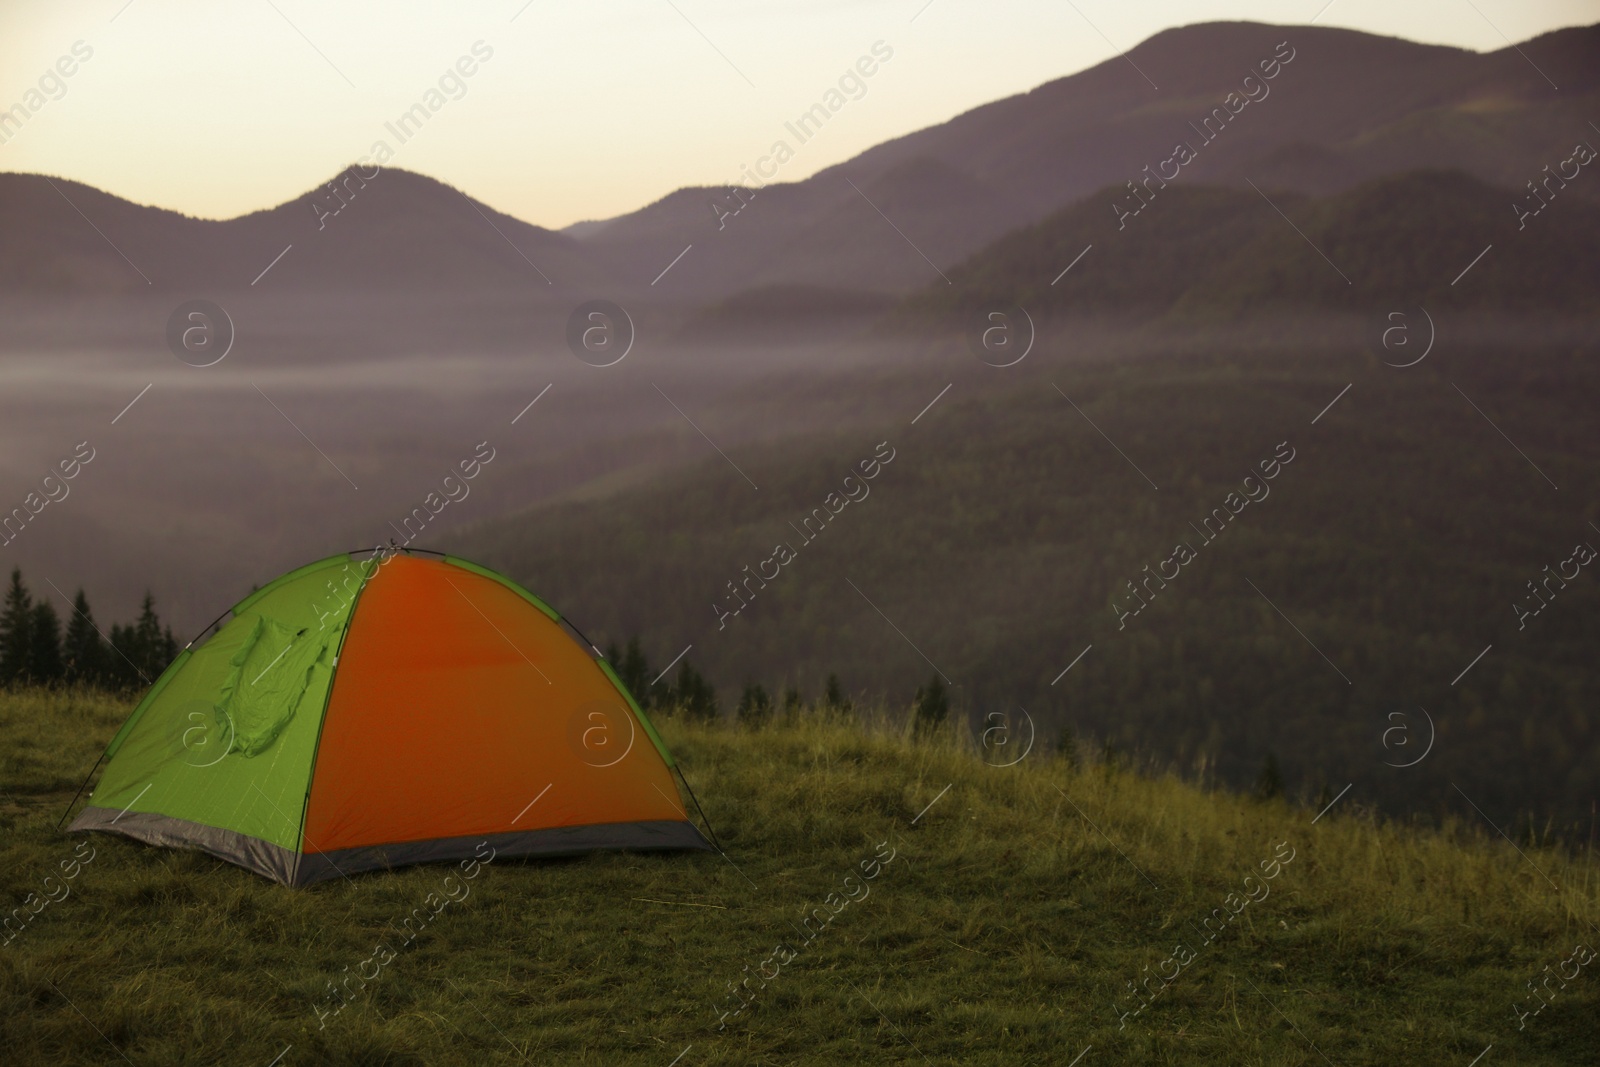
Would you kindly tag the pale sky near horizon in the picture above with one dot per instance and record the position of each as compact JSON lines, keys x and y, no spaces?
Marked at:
{"x":581,"y":111}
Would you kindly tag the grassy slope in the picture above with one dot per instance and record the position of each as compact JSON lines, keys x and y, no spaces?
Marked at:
{"x":1013,"y":912}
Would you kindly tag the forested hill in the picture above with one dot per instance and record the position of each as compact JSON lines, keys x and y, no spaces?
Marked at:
{"x":1000,"y":543}
{"x":1200,"y":251}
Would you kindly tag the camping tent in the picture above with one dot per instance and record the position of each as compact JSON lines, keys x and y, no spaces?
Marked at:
{"x":378,"y":709}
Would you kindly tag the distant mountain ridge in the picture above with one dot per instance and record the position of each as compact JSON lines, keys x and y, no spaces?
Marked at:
{"x":1211,"y":251}
{"x":1346,"y":108}
{"x":1349,"y":107}
{"x":396,"y":229}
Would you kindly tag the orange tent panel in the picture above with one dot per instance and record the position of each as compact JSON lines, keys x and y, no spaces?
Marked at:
{"x":459,"y":709}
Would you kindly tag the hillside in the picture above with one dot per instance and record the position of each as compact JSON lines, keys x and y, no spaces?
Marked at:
{"x":999,"y":543}
{"x":1207,"y":252}
{"x":995,"y":915}
{"x":775,"y":312}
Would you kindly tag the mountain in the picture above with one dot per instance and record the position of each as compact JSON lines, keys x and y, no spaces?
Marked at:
{"x":396,"y":231}
{"x":1212,"y":251}
{"x":1341,"y":108}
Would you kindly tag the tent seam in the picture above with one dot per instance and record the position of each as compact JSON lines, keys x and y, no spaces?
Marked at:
{"x":322,"y":721}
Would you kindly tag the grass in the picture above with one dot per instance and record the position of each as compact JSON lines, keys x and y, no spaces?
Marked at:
{"x":1018,"y":904}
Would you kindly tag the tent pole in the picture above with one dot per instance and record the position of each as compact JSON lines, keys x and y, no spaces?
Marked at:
{"x":207,"y":630}
{"x":698,"y":808}
{"x":597,"y":651}
{"x":81,"y":788}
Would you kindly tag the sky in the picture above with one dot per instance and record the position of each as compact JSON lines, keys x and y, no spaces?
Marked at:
{"x":572,"y":110}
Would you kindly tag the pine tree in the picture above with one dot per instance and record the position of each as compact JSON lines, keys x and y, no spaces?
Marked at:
{"x":118,"y":672}
{"x":82,"y":650}
{"x":635,"y":672}
{"x":147,"y":639}
{"x":755,"y":707}
{"x":932,"y":707}
{"x":834,"y":699}
{"x":1269,"y":783}
{"x":694,"y":694}
{"x":124,"y":669}
{"x":44,"y":645}
{"x":791,"y":706}
{"x":16,"y":625}
{"x":1067,"y":747}
{"x":147,"y":644}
